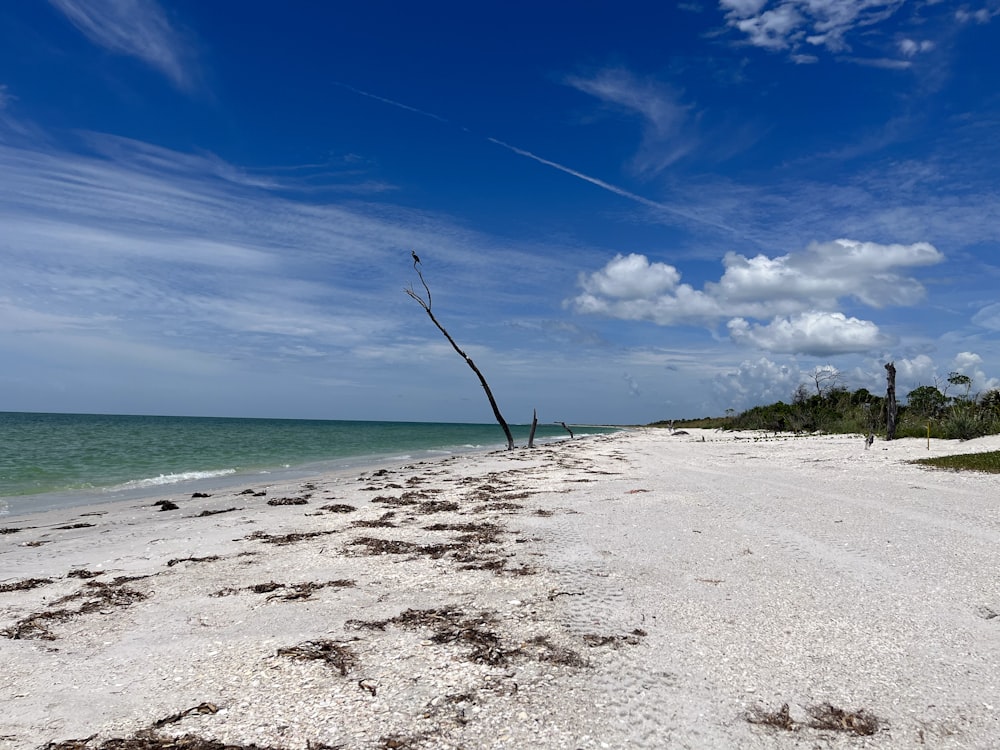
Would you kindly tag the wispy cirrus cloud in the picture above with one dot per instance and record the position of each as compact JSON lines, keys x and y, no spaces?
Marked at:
{"x":664,"y":210}
{"x":148,"y":241}
{"x":788,"y":24}
{"x":666,"y":135}
{"x":136,"y":28}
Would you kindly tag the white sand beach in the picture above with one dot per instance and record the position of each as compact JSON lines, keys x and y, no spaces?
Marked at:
{"x":636,"y":590}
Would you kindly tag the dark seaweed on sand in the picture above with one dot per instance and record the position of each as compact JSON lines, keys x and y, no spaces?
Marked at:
{"x":449,"y":625}
{"x":396,"y":547}
{"x":99,"y":596}
{"x":630,"y":639}
{"x":201,"y":708}
{"x":291,"y":538}
{"x":24,"y":585}
{"x":293,"y":591}
{"x":205,"y":513}
{"x":437,"y":506}
{"x":824,"y":716}
{"x":288,"y":501}
{"x":337,"y":656}
{"x":176,"y":560}
{"x":83,"y":573}
{"x":149,"y":740}
{"x":474,"y":533}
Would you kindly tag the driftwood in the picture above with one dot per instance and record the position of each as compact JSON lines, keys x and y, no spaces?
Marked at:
{"x":534,"y":424}
{"x":426,"y":304}
{"x":567,"y":430}
{"x":891,"y":407}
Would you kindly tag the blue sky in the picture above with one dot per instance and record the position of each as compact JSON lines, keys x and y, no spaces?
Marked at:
{"x":625,"y":211}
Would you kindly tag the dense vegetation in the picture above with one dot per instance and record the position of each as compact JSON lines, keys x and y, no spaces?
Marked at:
{"x":835,"y":409}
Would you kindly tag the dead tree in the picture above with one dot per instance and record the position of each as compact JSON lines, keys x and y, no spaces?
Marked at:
{"x":891,"y":409}
{"x":567,"y":430}
{"x":426,"y":304}
{"x":534,"y":424}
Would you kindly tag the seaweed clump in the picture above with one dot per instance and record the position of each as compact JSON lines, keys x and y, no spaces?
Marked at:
{"x":824,"y":716}
{"x":99,"y":596}
{"x":337,"y":656}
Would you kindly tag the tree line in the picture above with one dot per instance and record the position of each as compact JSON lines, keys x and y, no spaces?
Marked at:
{"x":949,"y":410}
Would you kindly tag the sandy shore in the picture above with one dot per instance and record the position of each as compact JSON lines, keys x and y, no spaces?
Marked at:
{"x":639,"y":590}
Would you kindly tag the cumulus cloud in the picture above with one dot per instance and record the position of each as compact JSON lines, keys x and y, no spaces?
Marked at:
{"x":826,"y":271}
{"x":632,"y":277}
{"x":923,"y":370}
{"x":919,"y":370}
{"x":788,"y":24}
{"x":814,"y":333}
{"x":798,"y":293}
{"x":136,"y":28}
{"x":971,"y":364}
{"x":665,"y":138}
{"x":757,"y":382}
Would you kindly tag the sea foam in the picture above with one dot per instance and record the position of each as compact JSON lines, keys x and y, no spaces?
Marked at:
{"x":184,"y":476}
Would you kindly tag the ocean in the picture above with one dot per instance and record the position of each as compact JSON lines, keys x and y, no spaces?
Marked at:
{"x":49,"y":461}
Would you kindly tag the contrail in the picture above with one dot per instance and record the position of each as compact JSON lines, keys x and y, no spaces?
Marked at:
{"x":390,"y":101}
{"x":555,"y":165}
{"x":611,"y":188}
{"x":592,"y":180}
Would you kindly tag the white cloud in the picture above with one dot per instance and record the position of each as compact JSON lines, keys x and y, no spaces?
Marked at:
{"x":980,"y":16}
{"x":180,"y":252}
{"x":911,"y":47}
{"x":742,"y":8}
{"x":773,"y":28}
{"x":818,"y":334}
{"x":633,"y":385}
{"x":886,"y":63}
{"x":970,"y":363}
{"x":790,"y":23}
{"x":988,"y":317}
{"x":919,"y":370}
{"x":923,"y":370}
{"x":665,"y":138}
{"x":632,"y":277}
{"x":757,"y":382}
{"x":137,"y":28}
{"x":824,"y":272}
{"x":632,"y":288}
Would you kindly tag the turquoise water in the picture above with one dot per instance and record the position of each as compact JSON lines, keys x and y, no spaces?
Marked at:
{"x":53,"y":460}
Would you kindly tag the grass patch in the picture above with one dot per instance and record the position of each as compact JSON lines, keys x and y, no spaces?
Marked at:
{"x":987,"y":462}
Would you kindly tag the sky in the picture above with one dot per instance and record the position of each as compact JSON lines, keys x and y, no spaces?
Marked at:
{"x":624,"y":212}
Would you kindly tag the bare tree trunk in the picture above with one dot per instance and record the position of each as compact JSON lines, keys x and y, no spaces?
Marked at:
{"x":426,"y":304}
{"x":567,"y":430}
{"x":891,"y":408}
{"x":534,"y":424}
